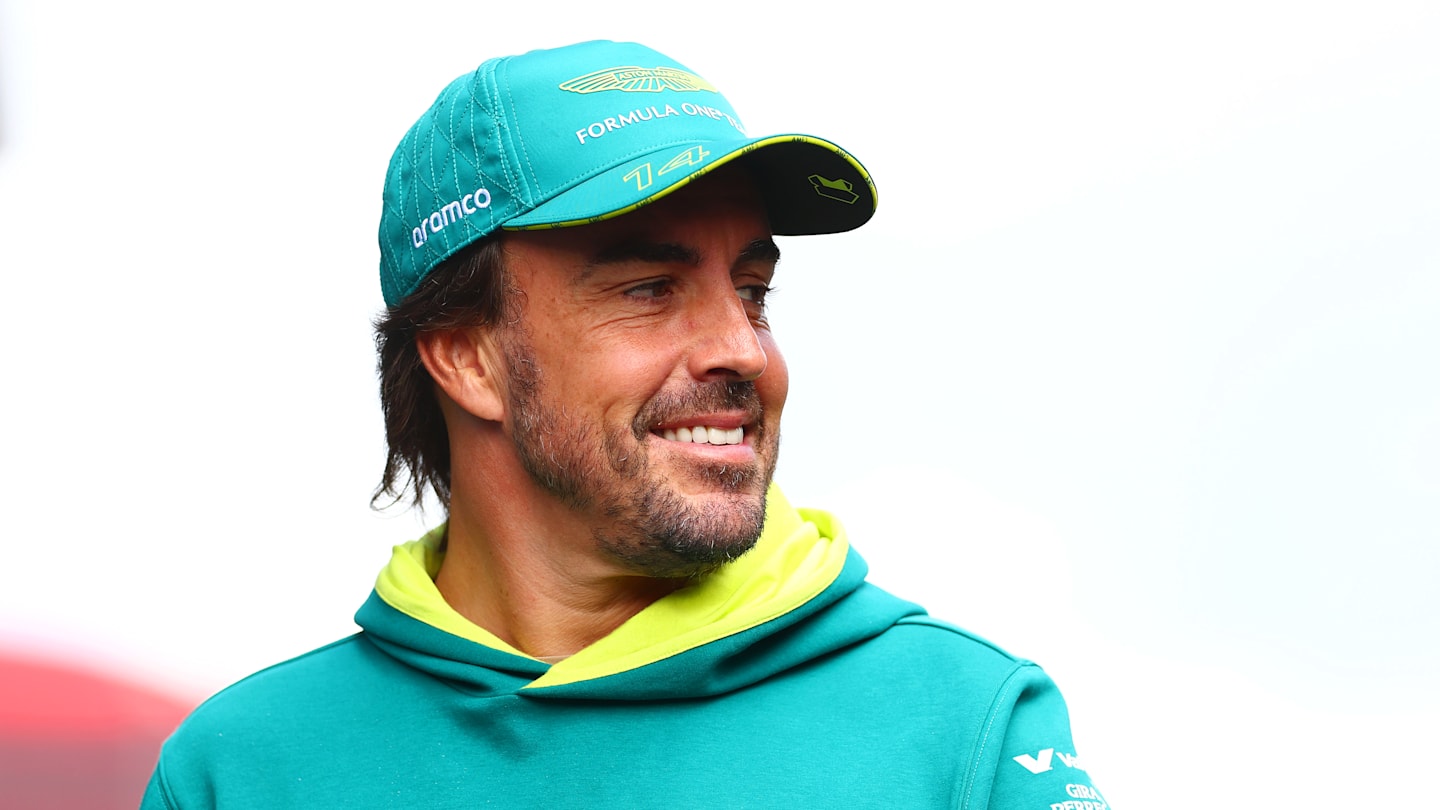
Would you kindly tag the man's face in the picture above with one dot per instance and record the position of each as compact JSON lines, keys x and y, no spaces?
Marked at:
{"x":645,"y":387}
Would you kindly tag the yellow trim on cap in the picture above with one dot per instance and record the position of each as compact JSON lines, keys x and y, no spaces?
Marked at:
{"x":701,"y":172}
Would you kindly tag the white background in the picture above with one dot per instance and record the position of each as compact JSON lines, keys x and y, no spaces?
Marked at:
{"x":1133,"y":371}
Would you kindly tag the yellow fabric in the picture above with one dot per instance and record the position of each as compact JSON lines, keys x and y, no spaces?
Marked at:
{"x":408,"y":585}
{"x":798,"y":555}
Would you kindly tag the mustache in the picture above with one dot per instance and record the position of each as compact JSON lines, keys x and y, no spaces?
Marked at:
{"x":712,"y":396}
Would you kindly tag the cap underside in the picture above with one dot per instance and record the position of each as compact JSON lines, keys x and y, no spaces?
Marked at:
{"x":810,"y":185}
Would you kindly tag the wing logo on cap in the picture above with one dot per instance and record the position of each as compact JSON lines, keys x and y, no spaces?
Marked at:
{"x":842,"y":189}
{"x":632,"y":79}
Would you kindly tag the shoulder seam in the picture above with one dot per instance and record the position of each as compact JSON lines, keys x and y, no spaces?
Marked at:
{"x":930,"y":621}
{"x":1000,"y":694}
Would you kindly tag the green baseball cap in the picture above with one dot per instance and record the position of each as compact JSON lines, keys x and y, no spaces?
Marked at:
{"x":575,"y":135}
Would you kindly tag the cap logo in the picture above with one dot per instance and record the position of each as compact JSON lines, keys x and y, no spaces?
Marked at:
{"x":632,"y":79}
{"x":841,"y":190}
{"x":449,"y":213}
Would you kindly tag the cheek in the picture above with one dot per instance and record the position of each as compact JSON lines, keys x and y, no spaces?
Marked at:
{"x":774,"y":385}
{"x":618,"y":377}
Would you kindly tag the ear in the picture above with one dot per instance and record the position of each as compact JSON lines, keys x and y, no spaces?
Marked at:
{"x":466,"y":365}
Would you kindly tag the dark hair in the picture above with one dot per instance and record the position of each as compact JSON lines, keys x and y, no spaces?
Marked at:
{"x":468,"y":289}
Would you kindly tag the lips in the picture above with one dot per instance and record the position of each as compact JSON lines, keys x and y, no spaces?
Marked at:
{"x":713,"y":413}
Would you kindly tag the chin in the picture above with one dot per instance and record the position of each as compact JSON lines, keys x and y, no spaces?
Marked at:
{"x":672,"y":535}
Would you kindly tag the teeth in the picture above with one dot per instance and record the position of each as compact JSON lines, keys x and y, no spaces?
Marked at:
{"x":705,"y":435}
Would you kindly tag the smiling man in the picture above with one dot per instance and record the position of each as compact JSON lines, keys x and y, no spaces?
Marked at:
{"x":621,"y":609}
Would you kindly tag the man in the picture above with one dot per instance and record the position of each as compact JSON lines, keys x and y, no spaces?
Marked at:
{"x":621,"y":610}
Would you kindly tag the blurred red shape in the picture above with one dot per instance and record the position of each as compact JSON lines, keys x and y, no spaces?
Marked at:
{"x":75,"y":738}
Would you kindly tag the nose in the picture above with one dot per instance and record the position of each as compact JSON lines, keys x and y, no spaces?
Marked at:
{"x":727,"y":345}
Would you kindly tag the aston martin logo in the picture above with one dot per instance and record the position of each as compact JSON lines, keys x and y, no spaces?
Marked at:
{"x":637,"y":80}
{"x":842,"y":190}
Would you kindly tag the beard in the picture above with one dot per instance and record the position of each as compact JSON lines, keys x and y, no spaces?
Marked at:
{"x":649,"y":527}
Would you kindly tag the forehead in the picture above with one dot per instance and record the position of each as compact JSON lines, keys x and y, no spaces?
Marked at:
{"x":704,"y":215}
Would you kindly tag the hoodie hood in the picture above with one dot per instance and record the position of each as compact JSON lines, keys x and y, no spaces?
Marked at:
{"x":732,"y":628}
{"x":780,"y":680}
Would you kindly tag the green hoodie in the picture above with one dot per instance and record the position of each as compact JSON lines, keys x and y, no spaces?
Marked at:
{"x":782,"y":680}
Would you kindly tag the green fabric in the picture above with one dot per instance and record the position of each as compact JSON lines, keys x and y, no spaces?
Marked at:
{"x":798,"y":556}
{"x":854,"y":699}
{"x":582,"y":133}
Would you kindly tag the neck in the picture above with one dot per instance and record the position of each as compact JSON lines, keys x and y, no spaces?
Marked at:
{"x":534,"y":580}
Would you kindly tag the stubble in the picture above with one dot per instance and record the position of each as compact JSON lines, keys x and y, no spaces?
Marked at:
{"x":648,"y":526}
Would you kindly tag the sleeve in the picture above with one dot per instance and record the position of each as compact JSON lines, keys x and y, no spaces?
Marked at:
{"x":156,"y":796}
{"x":1026,"y":759}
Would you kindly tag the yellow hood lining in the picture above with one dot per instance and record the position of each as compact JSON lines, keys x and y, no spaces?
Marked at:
{"x":799,"y":554}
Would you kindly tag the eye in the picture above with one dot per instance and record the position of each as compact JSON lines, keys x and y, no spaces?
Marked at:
{"x":655,"y":288}
{"x":754,"y":292}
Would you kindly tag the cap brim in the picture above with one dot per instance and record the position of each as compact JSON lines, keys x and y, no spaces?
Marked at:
{"x":809,"y":184}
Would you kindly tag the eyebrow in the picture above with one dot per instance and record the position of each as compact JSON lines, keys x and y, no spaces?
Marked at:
{"x":760,"y":250}
{"x":643,"y":252}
